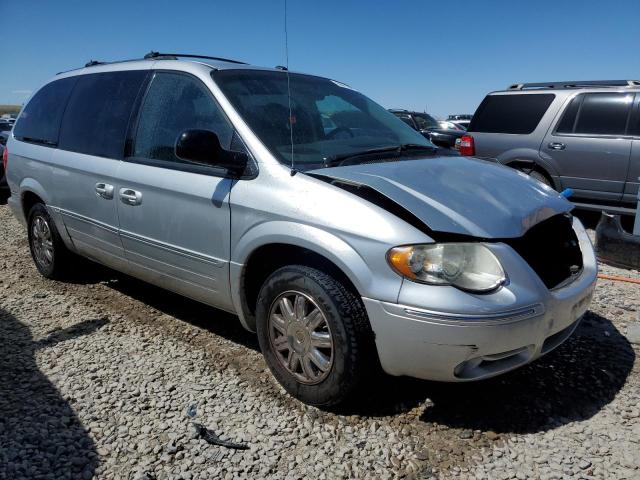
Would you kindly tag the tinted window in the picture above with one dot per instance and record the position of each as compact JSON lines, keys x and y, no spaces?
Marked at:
{"x":425,"y":121}
{"x":173,"y":104}
{"x":40,"y":120}
{"x":406,"y":119}
{"x":96,"y":119}
{"x":604,"y":113}
{"x":510,"y":113}
{"x":569,"y":117}
{"x":634,"y":124}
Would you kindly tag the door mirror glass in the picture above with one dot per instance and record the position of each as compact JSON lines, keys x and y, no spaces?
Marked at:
{"x":203,"y":147}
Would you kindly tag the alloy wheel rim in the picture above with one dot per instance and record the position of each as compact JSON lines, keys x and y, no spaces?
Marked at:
{"x":41,"y":241}
{"x":301,"y":337}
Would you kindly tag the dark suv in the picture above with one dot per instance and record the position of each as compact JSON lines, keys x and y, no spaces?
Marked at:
{"x":429,"y":127}
{"x":579,"y":135}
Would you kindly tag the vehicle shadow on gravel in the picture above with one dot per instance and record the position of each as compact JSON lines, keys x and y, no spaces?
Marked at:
{"x":4,"y":197}
{"x":184,"y":309}
{"x":570,"y":384}
{"x":40,"y":435}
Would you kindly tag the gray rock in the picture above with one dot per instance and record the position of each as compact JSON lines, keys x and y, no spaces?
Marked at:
{"x":633,"y":333}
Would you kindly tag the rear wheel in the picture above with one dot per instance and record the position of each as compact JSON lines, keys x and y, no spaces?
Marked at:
{"x":47,"y":248}
{"x":314,"y":335}
{"x":541,"y":177}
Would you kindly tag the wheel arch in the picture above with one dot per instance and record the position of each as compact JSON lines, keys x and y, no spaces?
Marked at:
{"x":526,"y":165}
{"x":256,"y":258}
{"x":32,"y":192}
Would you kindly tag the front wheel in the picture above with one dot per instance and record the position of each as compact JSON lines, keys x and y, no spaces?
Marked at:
{"x":315,"y":335}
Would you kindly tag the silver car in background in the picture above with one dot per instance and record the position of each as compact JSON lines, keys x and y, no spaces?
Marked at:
{"x":583,"y":135}
{"x":329,"y":227}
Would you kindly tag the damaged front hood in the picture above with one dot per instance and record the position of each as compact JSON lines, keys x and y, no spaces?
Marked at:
{"x":459,"y":195}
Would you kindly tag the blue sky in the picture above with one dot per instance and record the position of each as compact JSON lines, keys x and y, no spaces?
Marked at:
{"x":404,"y":54}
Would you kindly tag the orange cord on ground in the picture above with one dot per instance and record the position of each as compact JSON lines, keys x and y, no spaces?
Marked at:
{"x":619,"y":279}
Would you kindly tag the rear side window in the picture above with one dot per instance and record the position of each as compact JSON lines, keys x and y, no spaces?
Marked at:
{"x":597,"y":114}
{"x":174,"y":103}
{"x":97,"y":116}
{"x":569,"y":118}
{"x":519,"y":114}
{"x":634,"y":123}
{"x":604,"y":113}
{"x":40,"y":119}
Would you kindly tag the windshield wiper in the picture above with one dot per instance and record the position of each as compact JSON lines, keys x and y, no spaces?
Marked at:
{"x":337,"y":160}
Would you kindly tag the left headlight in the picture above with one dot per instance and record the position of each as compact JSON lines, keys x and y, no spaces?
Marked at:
{"x":468,"y":266}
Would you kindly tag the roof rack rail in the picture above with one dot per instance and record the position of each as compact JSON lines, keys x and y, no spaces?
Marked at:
{"x":575,"y":84}
{"x":156,"y":56}
{"x":174,"y":56}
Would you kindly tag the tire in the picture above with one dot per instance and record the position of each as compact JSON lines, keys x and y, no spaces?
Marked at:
{"x":351,"y":355}
{"x":49,"y":253}
{"x":542,"y":178}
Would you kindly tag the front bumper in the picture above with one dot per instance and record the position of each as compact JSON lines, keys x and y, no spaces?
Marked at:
{"x":485,"y":335}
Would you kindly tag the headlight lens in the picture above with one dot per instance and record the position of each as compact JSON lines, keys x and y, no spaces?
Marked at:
{"x":468,"y":266}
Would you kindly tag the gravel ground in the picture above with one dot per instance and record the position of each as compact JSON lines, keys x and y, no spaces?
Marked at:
{"x":97,"y":376}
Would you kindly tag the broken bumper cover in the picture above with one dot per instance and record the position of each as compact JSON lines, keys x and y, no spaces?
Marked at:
{"x":614,"y":246}
{"x":490,"y":334}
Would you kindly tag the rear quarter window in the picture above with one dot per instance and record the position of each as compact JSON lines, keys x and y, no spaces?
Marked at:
{"x":40,"y":119}
{"x":516,"y":114}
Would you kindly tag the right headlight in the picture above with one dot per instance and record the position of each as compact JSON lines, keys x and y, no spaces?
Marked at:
{"x":468,"y":266}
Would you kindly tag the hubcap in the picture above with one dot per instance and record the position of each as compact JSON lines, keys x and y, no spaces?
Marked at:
{"x":41,"y":241}
{"x":301,"y":337}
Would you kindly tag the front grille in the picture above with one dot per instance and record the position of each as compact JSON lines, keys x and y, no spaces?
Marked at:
{"x":551,"y":249}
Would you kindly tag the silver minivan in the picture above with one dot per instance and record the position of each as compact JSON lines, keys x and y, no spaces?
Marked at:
{"x":326,"y":224}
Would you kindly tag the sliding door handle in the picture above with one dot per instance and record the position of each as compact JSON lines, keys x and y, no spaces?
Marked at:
{"x":130,"y":197}
{"x":557,"y":146}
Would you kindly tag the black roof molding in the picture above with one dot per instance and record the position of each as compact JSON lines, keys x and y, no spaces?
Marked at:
{"x":575,"y":84}
{"x":174,"y":56}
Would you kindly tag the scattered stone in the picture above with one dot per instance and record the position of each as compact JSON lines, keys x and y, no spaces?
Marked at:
{"x":584,"y":464}
{"x":633,"y":333}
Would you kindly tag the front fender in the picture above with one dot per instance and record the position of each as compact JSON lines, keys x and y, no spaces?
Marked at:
{"x":322,"y":242}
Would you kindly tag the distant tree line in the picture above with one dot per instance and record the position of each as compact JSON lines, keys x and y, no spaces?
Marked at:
{"x":9,"y":109}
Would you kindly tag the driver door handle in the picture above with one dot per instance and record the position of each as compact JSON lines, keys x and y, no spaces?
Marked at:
{"x":130,"y":197}
{"x":557,"y":146}
{"x":104,"y":190}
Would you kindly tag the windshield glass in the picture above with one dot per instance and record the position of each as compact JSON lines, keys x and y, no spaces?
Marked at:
{"x":328,"y":118}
